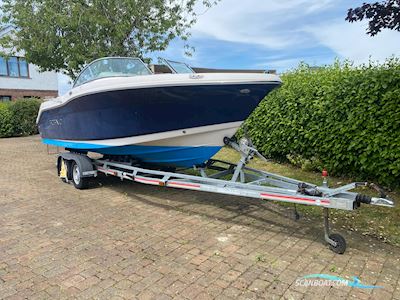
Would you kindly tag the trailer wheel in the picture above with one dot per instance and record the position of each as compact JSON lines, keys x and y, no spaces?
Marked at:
{"x":340,"y":247}
{"x":69,"y":169}
{"x":79,"y":181}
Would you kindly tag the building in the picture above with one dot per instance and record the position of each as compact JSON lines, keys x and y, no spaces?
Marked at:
{"x":18,"y":79}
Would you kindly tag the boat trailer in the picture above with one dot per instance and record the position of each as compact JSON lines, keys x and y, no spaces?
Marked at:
{"x":222,"y":177}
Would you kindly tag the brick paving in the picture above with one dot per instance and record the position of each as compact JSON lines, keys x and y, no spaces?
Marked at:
{"x":123,"y":240}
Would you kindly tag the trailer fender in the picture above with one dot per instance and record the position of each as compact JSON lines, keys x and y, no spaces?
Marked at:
{"x":84,"y":163}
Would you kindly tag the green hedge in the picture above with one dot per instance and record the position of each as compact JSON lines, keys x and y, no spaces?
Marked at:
{"x":5,"y":120}
{"x":18,"y":118}
{"x":343,"y":118}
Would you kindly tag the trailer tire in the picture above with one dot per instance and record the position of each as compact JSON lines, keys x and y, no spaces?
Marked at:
{"x":69,"y":169}
{"x":80,"y":182}
{"x":340,"y":247}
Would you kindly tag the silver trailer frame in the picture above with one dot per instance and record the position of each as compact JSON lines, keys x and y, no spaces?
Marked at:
{"x":222,"y":177}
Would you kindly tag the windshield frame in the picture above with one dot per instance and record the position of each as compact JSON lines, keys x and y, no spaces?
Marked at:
{"x":75,"y":84}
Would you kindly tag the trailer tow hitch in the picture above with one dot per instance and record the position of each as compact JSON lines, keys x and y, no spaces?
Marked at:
{"x":382,"y":200}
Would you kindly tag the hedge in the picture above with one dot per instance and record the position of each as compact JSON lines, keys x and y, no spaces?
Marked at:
{"x":5,"y":120}
{"x":18,"y":118}
{"x":339,"y":117}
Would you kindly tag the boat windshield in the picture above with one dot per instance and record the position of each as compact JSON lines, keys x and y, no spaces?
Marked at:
{"x":178,"y":67}
{"x":112,"y":67}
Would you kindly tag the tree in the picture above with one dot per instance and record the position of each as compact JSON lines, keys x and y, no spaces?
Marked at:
{"x":64,"y":35}
{"x":381,"y":15}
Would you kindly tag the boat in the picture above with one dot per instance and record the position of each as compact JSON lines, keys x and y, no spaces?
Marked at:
{"x":119,"y":107}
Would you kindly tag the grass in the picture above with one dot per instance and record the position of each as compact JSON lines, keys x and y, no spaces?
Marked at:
{"x":260,"y":258}
{"x":379,"y":222}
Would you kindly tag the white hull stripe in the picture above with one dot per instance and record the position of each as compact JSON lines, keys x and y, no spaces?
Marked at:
{"x":210,"y":135}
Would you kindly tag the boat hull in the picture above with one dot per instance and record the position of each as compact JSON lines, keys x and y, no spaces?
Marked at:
{"x":171,"y":125}
{"x":136,"y":112}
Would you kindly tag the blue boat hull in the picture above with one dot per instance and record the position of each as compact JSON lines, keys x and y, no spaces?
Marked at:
{"x":179,"y":156}
{"x":135,"y":112}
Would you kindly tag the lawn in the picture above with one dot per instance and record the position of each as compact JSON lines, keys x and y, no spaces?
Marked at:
{"x":370,"y":220}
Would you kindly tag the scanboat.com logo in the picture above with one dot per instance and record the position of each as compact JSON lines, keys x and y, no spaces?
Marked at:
{"x":330,"y":280}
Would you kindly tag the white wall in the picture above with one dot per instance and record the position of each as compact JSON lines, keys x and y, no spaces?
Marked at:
{"x":36,"y":81}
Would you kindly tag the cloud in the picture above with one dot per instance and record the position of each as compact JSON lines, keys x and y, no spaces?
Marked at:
{"x":272,"y":24}
{"x":319,"y":5}
{"x":350,"y":41}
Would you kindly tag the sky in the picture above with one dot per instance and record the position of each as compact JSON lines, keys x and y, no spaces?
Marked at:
{"x":278,"y":34}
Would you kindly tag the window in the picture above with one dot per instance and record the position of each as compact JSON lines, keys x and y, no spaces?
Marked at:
{"x":3,"y":67}
{"x":5,"y":98}
{"x":14,"y":67}
{"x":23,"y":68}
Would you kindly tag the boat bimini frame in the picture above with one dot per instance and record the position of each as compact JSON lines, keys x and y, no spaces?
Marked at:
{"x":222,"y":177}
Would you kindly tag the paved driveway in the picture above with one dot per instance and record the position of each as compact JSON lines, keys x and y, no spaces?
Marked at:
{"x":126,"y":240}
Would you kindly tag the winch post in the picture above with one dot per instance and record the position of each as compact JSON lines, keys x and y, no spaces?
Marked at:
{"x":246,"y":153}
{"x":238,"y":170}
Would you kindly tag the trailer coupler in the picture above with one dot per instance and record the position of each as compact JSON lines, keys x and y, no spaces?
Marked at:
{"x":382,"y":200}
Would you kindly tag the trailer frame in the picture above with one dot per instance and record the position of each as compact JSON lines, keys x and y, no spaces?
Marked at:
{"x":217,"y":176}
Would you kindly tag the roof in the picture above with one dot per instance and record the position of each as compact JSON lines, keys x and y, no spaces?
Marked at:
{"x":6,"y":30}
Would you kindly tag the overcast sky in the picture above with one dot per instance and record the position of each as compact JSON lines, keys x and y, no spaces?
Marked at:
{"x":278,"y":34}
